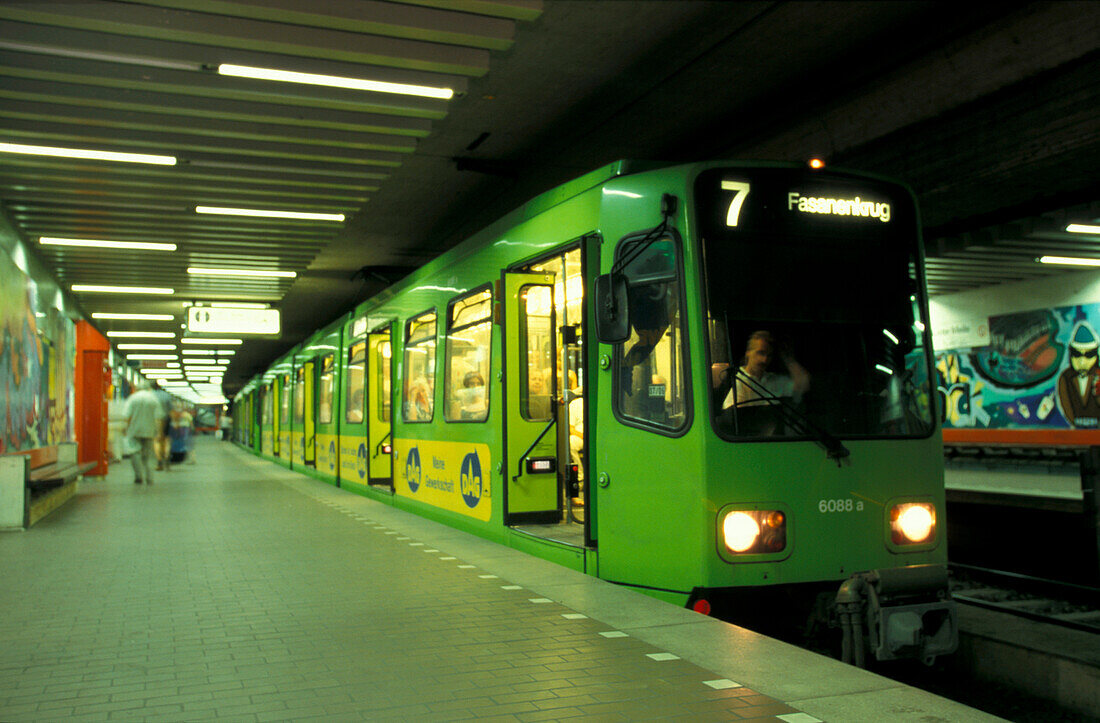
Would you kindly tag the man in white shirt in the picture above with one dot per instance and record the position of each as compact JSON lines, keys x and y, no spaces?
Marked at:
{"x":144,"y":420}
{"x":754,"y":373}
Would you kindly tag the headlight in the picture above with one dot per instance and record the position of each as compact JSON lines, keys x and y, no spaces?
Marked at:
{"x":754,"y":531}
{"x":912,"y":523}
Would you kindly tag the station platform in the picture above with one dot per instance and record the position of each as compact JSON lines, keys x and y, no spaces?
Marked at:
{"x":233,"y":589}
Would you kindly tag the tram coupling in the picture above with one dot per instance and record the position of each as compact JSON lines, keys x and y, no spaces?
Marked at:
{"x":895,"y":613}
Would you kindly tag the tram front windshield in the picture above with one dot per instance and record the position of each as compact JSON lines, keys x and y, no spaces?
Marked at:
{"x":813,"y":315}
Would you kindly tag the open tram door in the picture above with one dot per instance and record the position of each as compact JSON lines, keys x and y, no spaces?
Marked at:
{"x":532,"y":494}
{"x":304,"y":412}
{"x":544,"y":405}
{"x":379,"y":406}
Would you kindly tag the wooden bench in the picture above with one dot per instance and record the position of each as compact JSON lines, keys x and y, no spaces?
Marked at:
{"x":36,"y":482}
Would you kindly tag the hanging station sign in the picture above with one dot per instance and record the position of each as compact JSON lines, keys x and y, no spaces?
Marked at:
{"x":211,"y":320}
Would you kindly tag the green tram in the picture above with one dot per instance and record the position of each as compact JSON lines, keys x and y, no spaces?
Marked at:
{"x":708,"y":382}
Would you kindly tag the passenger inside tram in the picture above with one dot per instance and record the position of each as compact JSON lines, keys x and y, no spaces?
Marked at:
{"x":471,"y":397}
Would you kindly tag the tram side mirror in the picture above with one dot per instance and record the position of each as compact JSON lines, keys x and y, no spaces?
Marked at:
{"x":612,"y":309}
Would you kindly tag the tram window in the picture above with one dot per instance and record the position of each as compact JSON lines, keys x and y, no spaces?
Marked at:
{"x":469,"y":329}
{"x":652,"y":381}
{"x":357,"y":356}
{"x":384,"y":370}
{"x":537,"y":382}
{"x":418,"y":391}
{"x":325,"y":391}
{"x":299,"y":397}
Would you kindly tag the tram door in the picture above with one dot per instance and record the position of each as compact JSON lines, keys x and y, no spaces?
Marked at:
{"x":310,"y":417}
{"x":533,"y":495}
{"x":379,"y":406}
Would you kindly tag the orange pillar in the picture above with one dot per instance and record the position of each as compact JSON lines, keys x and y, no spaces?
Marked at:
{"x":93,"y":378}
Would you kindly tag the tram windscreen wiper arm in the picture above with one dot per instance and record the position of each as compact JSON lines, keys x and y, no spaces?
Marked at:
{"x":802,"y":424}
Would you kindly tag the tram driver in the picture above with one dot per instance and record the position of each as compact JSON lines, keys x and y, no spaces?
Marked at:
{"x":754,"y":382}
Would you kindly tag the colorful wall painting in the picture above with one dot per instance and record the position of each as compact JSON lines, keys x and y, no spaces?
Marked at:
{"x":37,"y":363}
{"x":1039,"y":371}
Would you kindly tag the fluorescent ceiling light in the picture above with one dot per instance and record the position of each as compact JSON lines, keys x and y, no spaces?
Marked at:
{"x":148,"y":347}
{"x":198,"y":340}
{"x":89,"y":154}
{"x":225,"y":361}
{"x":1083,"y":228}
{"x":143,"y":334}
{"x":122,"y":289}
{"x":175,"y":384}
{"x":226,"y":352}
{"x":198,"y":361}
{"x":1068,"y":261}
{"x":95,"y":243}
{"x":166,"y":357}
{"x":207,"y":352}
{"x":132,"y":317}
{"x":221,"y":211}
{"x":237,"y":305}
{"x":334,"y":81}
{"x":200,"y":271}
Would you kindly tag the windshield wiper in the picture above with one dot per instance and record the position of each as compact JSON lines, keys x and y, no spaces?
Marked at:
{"x":798,"y":421}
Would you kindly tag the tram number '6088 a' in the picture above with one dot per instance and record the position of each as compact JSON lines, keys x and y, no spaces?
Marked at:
{"x":842,"y":505}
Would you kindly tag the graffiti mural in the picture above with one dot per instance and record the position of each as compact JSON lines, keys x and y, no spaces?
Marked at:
{"x":1039,"y":371}
{"x":37,"y":360}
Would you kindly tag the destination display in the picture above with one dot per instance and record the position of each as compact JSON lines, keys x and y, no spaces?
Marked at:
{"x":798,"y":201}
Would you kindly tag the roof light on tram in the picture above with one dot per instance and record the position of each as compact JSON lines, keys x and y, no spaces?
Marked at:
{"x":816,"y":163}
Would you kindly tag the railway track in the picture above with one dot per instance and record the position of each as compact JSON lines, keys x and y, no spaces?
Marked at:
{"x":1047,"y":601}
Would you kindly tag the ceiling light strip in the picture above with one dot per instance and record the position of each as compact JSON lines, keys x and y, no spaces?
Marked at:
{"x":334,"y":81}
{"x":132,"y":317}
{"x":1068,"y":261}
{"x":142,"y":334}
{"x":223,"y":211}
{"x":96,"y":243}
{"x":99,"y":289}
{"x":1083,"y":228}
{"x":263,"y":273}
{"x":88,"y":154}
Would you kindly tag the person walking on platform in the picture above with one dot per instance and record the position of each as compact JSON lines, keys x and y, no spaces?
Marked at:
{"x":144,"y":421}
{"x":161,"y":446}
{"x":181,"y":430}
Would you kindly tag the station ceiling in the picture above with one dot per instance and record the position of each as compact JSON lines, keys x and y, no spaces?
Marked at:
{"x":989,"y":110}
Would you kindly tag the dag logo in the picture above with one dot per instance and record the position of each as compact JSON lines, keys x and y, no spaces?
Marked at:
{"x":470,"y":481}
{"x":361,"y":461}
{"x":412,"y":469}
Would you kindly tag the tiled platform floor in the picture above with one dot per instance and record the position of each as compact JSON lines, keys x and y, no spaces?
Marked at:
{"x":233,"y":589}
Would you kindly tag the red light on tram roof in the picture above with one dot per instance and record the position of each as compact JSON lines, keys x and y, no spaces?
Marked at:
{"x":816,"y":164}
